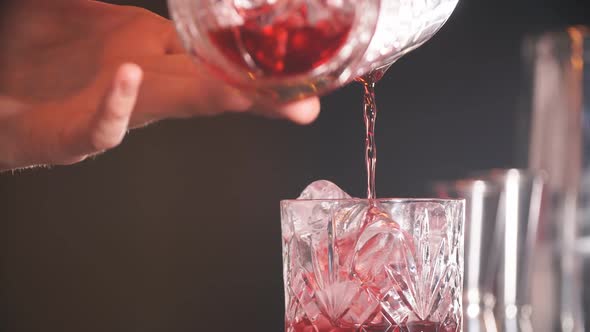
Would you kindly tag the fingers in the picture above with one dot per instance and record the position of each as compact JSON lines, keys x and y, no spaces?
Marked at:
{"x":174,"y":65}
{"x":167,"y":96}
{"x":175,"y":86}
{"x":301,"y":112}
{"x":67,"y":132}
{"x":109,"y":125}
{"x":180,"y":89}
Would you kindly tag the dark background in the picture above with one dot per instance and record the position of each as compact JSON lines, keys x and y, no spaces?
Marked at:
{"x":178,"y":229}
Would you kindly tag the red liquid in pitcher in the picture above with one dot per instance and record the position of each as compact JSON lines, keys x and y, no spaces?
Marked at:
{"x":290,"y":45}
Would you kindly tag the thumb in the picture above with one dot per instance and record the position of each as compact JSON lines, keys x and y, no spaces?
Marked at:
{"x":108,"y":125}
{"x":68,"y":131}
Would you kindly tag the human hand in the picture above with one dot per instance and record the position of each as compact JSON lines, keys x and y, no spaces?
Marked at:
{"x":75,"y":75}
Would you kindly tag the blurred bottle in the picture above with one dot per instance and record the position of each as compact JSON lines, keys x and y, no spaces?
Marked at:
{"x":558,"y":68}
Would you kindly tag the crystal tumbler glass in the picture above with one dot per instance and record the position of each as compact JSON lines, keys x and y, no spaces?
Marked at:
{"x":373,"y":265}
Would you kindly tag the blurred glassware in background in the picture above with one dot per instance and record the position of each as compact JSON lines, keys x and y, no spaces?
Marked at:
{"x":502,"y":214}
{"x":559,"y":78}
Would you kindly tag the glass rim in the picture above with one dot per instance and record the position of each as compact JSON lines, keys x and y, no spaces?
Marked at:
{"x":379,"y":200}
{"x":493,"y":180}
